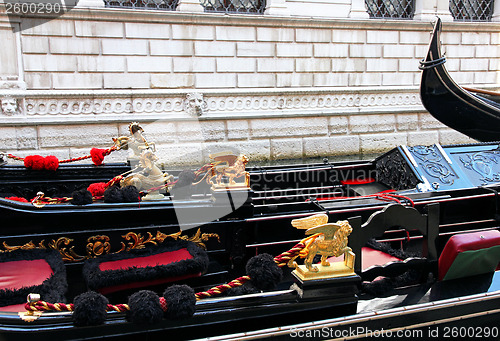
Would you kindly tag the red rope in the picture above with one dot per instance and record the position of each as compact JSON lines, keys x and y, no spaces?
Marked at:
{"x":76,"y":159}
{"x":281,"y":260}
{"x":46,"y":306}
{"x":160,"y":187}
{"x":105,"y":153}
{"x":385,"y":195}
{"x":223,"y":287}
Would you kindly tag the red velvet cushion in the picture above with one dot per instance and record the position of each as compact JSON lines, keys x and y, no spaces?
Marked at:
{"x":141,"y":284}
{"x":369,"y":257}
{"x":357,"y":181}
{"x":23,"y":273}
{"x":142,"y":262}
{"x":13,"y":308}
{"x":468,"y":243}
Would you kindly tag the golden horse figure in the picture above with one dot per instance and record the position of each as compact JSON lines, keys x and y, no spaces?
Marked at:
{"x":230,"y":166}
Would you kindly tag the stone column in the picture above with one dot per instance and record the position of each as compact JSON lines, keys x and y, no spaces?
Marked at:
{"x":358,"y":10}
{"x":427,"y":10}
{"x":277,"y":7}
{"x":190,"y":6}
{"x":90,"y":3}
{"x":496,"y":11}
{"x":11,"y":66}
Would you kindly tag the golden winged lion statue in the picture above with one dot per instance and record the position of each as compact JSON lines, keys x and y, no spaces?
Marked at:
{"x":227,"y":164}
{"x":327,"y":240}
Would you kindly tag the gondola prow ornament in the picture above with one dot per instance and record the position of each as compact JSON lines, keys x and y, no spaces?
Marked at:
{"x":228,"y":166}
{"x":327,"y":240}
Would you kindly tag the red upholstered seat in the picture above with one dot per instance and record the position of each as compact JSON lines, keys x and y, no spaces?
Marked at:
{"x":369,"y":257}
{"x":470,"y":254}
{"x":142,"y":262}
{"x":361,"y":181}
{"x":13,"y":308}
{"x":31,"y":271}
{"x":170,"y":262}
{"x":21,"y":273}
{"x":159,"y":259}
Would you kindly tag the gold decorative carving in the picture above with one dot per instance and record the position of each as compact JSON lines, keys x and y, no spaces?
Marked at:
{"x":137,"y":241}
{"x":327,"y":240}
{"x":68,"y":254}
{"x":227,"y":164}
{"x":99,"y":245}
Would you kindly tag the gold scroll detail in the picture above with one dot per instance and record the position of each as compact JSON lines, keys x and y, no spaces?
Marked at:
{"x":99,"y":245}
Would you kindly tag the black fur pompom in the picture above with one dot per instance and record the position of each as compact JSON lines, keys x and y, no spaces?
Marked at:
{"x":264,"y":272}
{"x":181,"y":302}
{"x":130,"y":194}
{"x":186,"y":178}
{"x":145,"y":308}
{"x":183,"y":187}
{"x":81,"y":197}
{"x":90,"y":309}
{"x":113,"y":194}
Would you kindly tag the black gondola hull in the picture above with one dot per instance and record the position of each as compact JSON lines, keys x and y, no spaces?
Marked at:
{"x":469,"y":113}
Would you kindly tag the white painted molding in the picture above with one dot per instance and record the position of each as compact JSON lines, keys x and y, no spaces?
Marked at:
{"x":358,"y":10}
{"x":277,"y":8}
{"x":90,"y":4}
{"x":427,"y":10}
{"x":190,"y":6}
{"x":496,"y":11}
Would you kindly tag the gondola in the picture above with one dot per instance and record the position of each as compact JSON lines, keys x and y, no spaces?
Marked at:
{"x":463,"y":179}
{"x":435,"y":193}
{"x":395,"y":294}
{"x":473,"y":112}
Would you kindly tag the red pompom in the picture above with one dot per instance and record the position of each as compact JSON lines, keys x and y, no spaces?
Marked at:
{"x":97,"y":189}
{"x":28,"y":161}
{"x":51,"y":163}
{"x":97,"y":155}
{"x":35,"y":162}
{"x":16,"y":199}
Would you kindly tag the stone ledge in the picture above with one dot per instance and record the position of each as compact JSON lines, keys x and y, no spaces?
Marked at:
{"x":91,"y":106}
{"x":223,"y":19}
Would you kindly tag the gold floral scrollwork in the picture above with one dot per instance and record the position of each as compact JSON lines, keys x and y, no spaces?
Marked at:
{"x":98,"y":246}
{"x":199,"y":238}
{"x":137,"y":241}
{"x":160,"y":237}
{"x":27,"y":246}
{"x":68,"y":254}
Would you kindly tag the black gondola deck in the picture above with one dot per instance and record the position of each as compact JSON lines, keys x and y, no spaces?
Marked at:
{"x":452,"y":176}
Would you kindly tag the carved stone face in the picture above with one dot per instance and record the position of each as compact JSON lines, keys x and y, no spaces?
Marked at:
{"x":195,"y":105}
{"x":9,"y":106}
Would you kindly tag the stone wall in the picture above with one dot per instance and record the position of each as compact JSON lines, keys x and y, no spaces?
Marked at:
{"x":272,"y":87}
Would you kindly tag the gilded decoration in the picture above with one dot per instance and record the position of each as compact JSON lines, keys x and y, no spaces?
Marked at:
{"x":230,"y":166}
{"x":327,"y":240}
{"x":99,"y":245}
